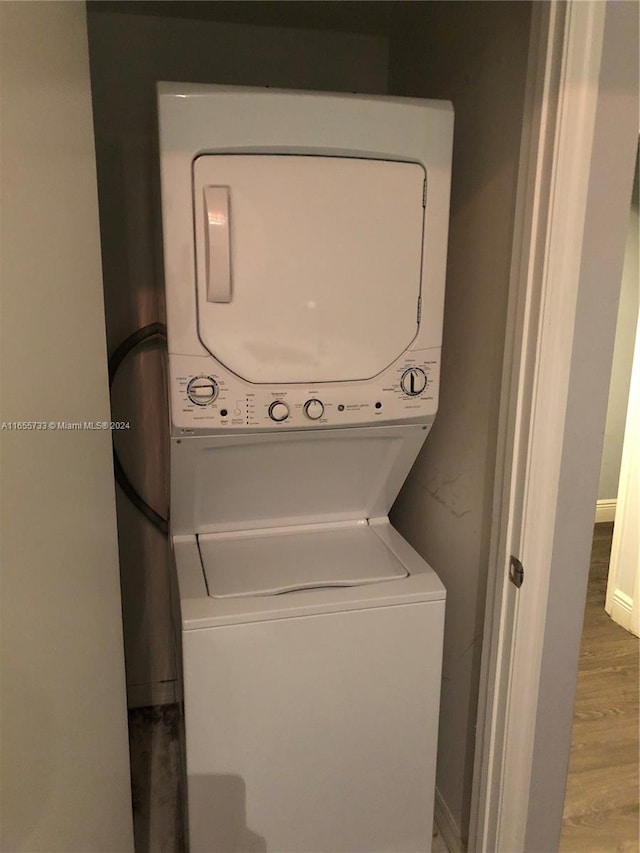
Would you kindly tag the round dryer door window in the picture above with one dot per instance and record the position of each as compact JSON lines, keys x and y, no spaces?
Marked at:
{"x":308,"y":267}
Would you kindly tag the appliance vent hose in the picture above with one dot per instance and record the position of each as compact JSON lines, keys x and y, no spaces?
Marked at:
{"x":158,"y":333}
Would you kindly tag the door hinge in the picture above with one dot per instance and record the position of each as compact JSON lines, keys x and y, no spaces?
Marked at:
{"x":419,"y":309}
{"x":516,"y":571}
{"x":424,"y":193}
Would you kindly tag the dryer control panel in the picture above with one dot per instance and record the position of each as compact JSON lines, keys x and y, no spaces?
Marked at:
{"x":206,"y":397}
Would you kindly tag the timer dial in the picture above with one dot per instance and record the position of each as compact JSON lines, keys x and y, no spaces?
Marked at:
{"x":202,"y":390}
{"x":278,"y":411}
{"x":314,"y":409}
{"x":413,"y":381}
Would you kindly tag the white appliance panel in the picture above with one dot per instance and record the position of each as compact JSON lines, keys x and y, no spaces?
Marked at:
{"x":276,"y":562}
{"x":222,"y":483}
{"x":308,"y":268}
{"x":407,"y":392}
{"x":206,"y":122}
{"x":303,"y":381}
{"x":199,"y":610}
{"x":314,"y":734}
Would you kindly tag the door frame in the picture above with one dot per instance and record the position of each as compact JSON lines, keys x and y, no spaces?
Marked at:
{"x":519,"y":775}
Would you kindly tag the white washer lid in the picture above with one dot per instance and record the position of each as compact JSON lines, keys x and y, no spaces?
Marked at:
{"x":273,"y":562}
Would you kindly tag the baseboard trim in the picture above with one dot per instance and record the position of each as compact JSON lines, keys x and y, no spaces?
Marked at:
{"x":621,"y":607}
{"x":449,"y":829}
{"x":153,"y":693}
{"x":605,"y":511}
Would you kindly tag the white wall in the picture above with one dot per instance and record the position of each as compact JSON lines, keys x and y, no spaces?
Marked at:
{"x":129,"y":53}
{"x":622,"y":359}
{"x":623,"y":584}
{"x":476,"y":55}
{"x":65,"y":769}
{"x":613,"y":156}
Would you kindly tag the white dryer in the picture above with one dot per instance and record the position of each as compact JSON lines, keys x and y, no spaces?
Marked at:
{"x":305,"y":245}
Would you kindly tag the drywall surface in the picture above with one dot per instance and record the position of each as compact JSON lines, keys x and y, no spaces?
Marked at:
{"x":129,"y":53}
{"x":609,"y":194}
{"x":622,"y":360}
{"x":623,"y":583}
{"x":65,"y":760}
{"x":476,"y":56}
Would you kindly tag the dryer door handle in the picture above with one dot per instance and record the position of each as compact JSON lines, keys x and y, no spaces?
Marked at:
{"x":218,"y":244}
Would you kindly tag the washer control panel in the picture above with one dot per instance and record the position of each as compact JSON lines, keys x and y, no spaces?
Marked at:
{"x":205,"y":396}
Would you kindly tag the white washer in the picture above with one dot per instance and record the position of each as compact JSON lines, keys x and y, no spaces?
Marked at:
{"x":305,"y":245}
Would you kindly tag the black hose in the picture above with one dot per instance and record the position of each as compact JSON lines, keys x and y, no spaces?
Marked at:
{"x":153,"y":331}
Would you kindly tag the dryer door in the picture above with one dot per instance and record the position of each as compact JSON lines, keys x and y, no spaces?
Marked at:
{"x":308,"y":267}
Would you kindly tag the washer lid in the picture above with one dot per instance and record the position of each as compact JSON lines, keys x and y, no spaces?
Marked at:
{"x":308,"y":267}
{"x":273,"y":562}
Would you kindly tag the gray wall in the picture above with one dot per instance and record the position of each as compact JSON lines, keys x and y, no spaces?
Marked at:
{"x":129,"y":53}
{"x":622,"y":360}
{"x":475,"y":55}
{"x":65,"y":762}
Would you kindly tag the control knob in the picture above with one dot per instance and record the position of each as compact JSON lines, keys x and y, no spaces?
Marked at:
{"x":202,"y":390}
{"x":314,"y":409}
{"x":413,"y":381}
{"x":278,"y":411}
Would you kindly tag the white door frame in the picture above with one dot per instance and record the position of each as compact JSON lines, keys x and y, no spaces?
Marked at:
{"x":561,"y":162}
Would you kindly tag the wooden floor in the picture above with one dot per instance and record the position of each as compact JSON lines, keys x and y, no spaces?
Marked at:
{"x":601,"y":805}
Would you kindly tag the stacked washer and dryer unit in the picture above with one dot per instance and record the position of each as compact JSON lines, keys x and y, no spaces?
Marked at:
{"x":305,"y":243}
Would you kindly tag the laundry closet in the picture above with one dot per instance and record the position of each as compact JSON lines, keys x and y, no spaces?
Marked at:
{"x":473,"y":54}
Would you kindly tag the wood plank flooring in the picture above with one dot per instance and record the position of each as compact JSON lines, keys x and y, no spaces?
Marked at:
{"x":601,"y":804}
